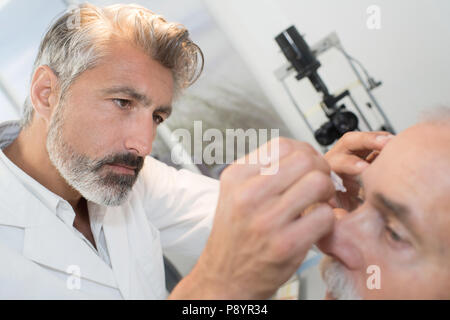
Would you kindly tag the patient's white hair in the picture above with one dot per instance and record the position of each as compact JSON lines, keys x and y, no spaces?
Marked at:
{"x":79,"y":39}
{"x":338,"y":282}
{"x":437,"y":116}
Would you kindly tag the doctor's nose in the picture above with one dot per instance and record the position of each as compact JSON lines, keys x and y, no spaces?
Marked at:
{"x":342,"y":243}
{"x":140,"y":136}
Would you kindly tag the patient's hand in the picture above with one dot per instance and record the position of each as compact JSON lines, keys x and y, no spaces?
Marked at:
{"x":349,"y":157}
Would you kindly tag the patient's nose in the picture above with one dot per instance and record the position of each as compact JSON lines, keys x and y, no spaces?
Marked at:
{"x":344,"y":243}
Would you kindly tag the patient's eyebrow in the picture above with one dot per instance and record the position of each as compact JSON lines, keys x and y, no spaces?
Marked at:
{"x":400,"y":211}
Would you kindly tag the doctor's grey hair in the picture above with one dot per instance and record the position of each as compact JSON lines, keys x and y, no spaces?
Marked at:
{"x":78,"y":40}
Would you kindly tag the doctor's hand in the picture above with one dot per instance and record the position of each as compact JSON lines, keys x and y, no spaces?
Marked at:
{"x":258,"y":239}
{"x":349,"y":157}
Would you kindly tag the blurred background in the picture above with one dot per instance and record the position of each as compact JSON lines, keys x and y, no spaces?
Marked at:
{"x":403,"y":44}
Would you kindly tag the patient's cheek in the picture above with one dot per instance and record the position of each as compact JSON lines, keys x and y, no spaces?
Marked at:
{"x":339,"y":213}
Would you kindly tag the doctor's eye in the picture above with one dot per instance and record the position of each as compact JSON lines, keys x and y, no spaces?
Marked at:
{"x":122,"y":103}
{"x":158,"y":119}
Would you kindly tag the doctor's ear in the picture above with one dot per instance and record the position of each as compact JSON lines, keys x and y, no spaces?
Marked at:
{"x":44,"y":92}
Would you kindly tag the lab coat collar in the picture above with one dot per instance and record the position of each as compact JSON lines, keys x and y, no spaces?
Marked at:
{"x":47,"y":241}
{"x":115,"y":228}
{"x":48,"y":198}
{"x":9,"y":131}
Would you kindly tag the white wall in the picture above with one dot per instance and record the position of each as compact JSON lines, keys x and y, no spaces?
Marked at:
{"x":19,"y":44}
{"x":410,"y":53}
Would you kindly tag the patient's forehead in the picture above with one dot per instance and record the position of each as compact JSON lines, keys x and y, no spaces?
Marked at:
{"x":419,"y":157}
{"x":414,"y":169}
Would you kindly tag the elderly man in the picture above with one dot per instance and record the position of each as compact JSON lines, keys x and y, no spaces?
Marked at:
{"x":85,"y":213}
{"x":395,"y":243}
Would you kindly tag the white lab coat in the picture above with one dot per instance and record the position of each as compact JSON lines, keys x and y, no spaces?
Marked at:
{"x":167,"y":209}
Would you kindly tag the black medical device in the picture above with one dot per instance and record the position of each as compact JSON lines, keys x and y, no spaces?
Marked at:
{"x":305,"y":64}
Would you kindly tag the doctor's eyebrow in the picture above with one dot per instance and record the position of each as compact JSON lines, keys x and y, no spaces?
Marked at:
{"x":139,"y":97}
{"x":164,"y":109}
{"x":130,"y":92}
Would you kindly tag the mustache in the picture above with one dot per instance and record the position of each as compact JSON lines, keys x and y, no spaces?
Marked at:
{"x":126,"y":159}
{"x":338,"y":283}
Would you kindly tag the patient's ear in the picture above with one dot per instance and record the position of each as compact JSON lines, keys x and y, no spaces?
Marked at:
{"x":44,"y":92}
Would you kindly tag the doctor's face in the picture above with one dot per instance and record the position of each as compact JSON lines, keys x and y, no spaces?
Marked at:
{"x":396,"y":244}
{"x":101,"y":132}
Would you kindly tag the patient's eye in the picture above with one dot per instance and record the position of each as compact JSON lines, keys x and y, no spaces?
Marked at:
{"x":394,"y":236}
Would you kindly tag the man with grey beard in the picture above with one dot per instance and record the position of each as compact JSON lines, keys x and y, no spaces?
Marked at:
{"x":392,"y":237}
{"x":83,"y":173}
{"x":85,"y":213}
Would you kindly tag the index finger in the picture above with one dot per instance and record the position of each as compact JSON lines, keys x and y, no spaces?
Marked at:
{"x":266,"y":155}
{"x":363,"y":143}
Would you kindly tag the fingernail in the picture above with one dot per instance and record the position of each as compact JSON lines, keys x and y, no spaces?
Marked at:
{"x":384,"y":138}
{"x":361,"y":164}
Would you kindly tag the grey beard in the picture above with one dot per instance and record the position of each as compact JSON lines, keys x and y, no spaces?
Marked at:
{"x":84,"y":174}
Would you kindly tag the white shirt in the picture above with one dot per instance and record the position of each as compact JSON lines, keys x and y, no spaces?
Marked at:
{"x":40,"y":249}
{"x":62,"y":208}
